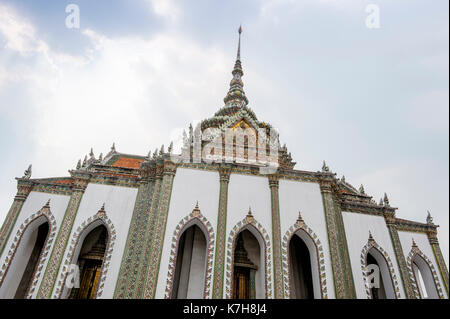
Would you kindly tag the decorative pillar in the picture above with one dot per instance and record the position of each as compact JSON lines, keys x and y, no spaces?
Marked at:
{"x":276,"y":236}
{"x":81,"y":180}
{"x":159,"y":228}
{"x":24,"y":187}
{"x":135,"y":240}
{"x":432,"y":238}
{"x":340,"y":259}
{"x":389,"y":217}
{"x":142,"y":262}
{"x":219,"y":264}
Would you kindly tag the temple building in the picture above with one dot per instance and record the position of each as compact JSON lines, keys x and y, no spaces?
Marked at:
{"x":227,"y":217}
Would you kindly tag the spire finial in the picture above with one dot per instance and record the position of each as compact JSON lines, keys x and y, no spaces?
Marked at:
{"x":249,"y":216}
{"x":236,"y":95}
{"x":196,"y":210}
{"x":300,"y":221}
{"x":238,"y":57}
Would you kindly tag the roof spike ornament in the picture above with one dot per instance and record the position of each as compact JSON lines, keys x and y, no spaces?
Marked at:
{"x":155,"y":153}
{"x":170,"y":147}
{"x":381,"y":202}
{"x":249,"y":216}
{"x":386,"y":200}
{"x":361,"y":190}
{"x":161,"y":151}
{"x":414,"y":243}
{"x":84,"y":161}
{"x":47,"y":204}
{"x":325,"y":168}
{"x":91,"y":153}
{"x":113,"y":148}
{"x":100,"y":157}
{"x":196,"y":210}
{"x":300,"y":222}
{"x":236,"y":95}
{"x":27,"y":173}
{"x":101,"y":213}
{"x":429,"y":218}
{"x":79,"y":164}
{"x":370,"y":236}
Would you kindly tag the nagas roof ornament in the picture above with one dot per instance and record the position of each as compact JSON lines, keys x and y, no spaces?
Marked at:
{"x":325,"y":168}
{"x":27,"y":173}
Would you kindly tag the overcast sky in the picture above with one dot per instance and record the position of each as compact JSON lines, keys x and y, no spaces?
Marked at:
{"x":373,"y":103}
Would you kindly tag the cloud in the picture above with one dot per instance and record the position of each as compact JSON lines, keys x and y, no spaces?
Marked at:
{"x":165,"y":8}
{"x":430,"y":111}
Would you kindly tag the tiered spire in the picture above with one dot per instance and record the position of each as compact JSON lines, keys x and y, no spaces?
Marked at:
{"x":236,"y":95}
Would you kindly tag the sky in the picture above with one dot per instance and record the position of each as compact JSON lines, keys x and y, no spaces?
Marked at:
{"x":372,"y":102}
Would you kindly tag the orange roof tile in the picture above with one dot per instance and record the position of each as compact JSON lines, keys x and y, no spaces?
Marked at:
{"x":128,"y":162}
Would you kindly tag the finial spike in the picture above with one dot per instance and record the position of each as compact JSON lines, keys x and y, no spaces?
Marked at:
{"x":238,"y":57}
{"x":47,"y":204}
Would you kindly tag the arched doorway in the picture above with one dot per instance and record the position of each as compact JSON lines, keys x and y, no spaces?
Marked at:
{"x":300,"y":269}
{"x":190,"y":269}
{"x":248,"y":267}
{"x":20,"y":273}
{"x":90,"y":261}
{"x":423,"y":277}
{"x":385,"y":289}
{"x":41,"y":234}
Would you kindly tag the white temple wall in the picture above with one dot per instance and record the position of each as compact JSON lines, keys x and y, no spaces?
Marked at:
{"x":34,"y":202}
{"x":189,"y":186}
{"x":357,"y":227}
{"x":246,"y":191}
{"x":119,"y":204}
{"x":306,"y":198}
{"x":424,"y":245}
{"x":197,"y":267}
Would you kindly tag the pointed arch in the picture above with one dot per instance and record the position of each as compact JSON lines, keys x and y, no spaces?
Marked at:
{"x":372,"y":244}
{"x":194,"y":218}
{"x":415,"y":252}
{"x":321,"y":279}
{"x":44,"y":215}
{"x":100,"y":218}
{"x":251,"y":224}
